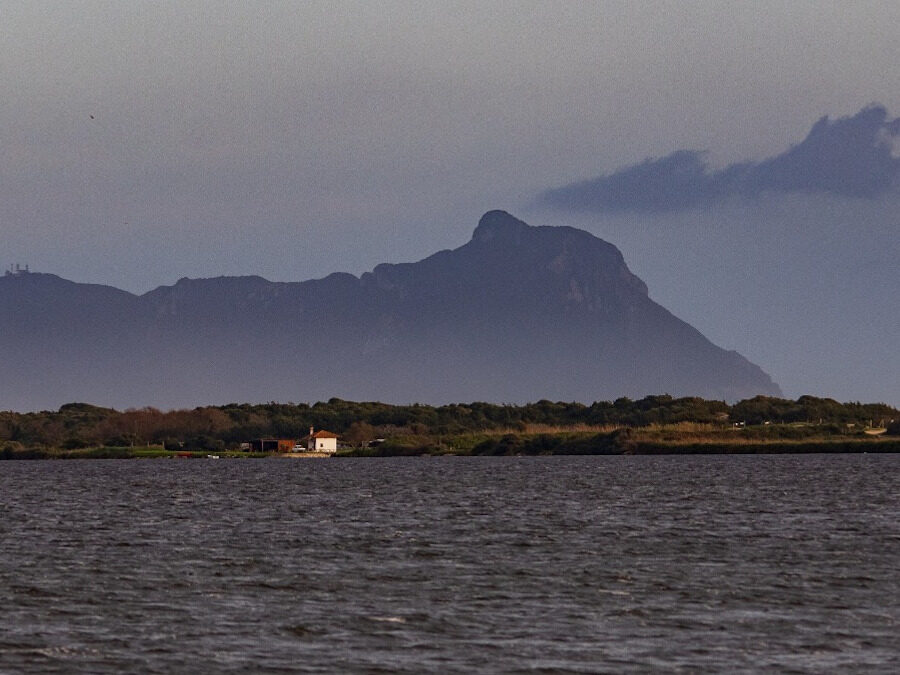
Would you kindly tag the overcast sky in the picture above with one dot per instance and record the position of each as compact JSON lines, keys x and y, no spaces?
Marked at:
{"x":144,"y":142}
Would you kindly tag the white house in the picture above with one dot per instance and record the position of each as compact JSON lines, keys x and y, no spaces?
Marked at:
{"x":321,"y":441}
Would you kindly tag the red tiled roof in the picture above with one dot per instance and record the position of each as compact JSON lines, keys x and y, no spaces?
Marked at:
{"x":324,"y":434}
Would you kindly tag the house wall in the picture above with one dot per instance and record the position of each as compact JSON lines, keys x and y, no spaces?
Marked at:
{"x":323,"y":444}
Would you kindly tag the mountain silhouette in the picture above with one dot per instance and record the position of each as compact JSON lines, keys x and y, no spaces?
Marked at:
{"x":518,"y":313}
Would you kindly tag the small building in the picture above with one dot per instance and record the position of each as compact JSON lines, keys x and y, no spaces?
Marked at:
{"x":271,"y":445}
{"x":16,"y":271}
{"x":321,"y":441}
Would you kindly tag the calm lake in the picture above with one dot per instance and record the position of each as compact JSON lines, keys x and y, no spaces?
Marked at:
{"x":786,"y":563}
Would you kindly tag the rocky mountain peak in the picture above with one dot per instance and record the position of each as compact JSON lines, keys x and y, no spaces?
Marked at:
{"x":499,"y":225}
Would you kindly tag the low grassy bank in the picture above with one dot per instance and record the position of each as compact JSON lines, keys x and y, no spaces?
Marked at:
{"x":770,"y":448}
{"x":653,"y":440}
{"x":681,"y":439}
{"x":124,"y":452}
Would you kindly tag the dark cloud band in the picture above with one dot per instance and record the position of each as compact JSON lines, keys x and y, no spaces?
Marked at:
{"x":850,"y":156}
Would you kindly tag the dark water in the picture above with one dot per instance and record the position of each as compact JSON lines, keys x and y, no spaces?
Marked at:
{"x":441,"y":565}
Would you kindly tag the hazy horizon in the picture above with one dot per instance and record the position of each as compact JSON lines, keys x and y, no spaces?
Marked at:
{"x":150,"y":142}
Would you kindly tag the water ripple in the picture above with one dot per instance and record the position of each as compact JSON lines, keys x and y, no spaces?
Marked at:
{"x":513,"y":565}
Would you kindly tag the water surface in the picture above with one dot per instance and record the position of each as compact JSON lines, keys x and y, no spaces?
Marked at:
{"x":441,"y":565}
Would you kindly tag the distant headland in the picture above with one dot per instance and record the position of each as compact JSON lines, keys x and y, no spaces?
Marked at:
{"x":515,"y":314}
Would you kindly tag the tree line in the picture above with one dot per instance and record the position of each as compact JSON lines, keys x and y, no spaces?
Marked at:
{"x":77,"y":425}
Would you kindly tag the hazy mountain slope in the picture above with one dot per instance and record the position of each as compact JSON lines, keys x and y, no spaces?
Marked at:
{"x":518,"y":313}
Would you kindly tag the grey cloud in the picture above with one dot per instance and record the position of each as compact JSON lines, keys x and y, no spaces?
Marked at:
{"x":850,"y":156}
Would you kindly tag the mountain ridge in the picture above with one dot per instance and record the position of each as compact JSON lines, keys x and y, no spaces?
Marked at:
{"x":516,"y":313}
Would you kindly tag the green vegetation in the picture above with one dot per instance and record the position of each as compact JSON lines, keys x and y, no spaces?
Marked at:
{"x":656,"y":439}
{"x":13,"y":451}
{"x":649,"y":425}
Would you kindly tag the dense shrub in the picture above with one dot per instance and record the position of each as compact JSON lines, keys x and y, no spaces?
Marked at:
{"x":203,"y":442}
{"x":74,"y":443}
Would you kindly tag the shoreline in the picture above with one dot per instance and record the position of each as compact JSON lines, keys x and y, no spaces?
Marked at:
{"x":584,"y":447}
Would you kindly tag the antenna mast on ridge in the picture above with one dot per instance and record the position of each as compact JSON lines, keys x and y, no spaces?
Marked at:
{"x":16,"y":270}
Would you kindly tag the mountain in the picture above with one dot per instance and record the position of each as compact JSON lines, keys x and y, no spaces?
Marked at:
{"x":518,"y":313}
